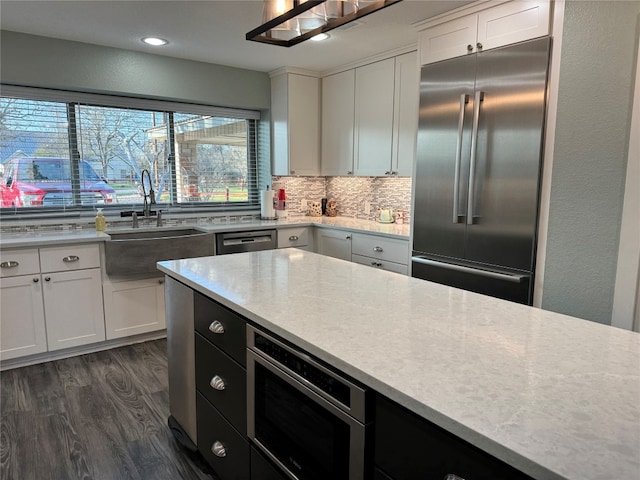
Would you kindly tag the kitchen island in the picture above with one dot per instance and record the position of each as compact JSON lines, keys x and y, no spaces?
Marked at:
{"x":554,"y":396}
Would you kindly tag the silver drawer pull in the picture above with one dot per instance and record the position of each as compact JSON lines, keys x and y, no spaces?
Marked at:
{"x":216,"y":327}
{"x":376,"y":264}
{"x":293,"y":238}
{"x":377,"y":249}
{"x":218,"y":449}
{"x":9,"y":264}
{"x":217,"y":383}
{"x":71,"y":258}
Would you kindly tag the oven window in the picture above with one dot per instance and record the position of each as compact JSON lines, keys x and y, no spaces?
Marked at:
{"x":309,"y":440}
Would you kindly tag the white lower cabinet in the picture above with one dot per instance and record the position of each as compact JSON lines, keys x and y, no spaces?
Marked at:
{"x":22,"y":329}
{"x":51,"y":298}
{"x":333,"y":243}
{"x":73,"y":308}
{"x":298,"y":237}
{"x":389,"y":254}
{"x":134,"y":306}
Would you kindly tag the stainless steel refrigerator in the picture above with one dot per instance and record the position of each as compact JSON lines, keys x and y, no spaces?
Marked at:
{"x":479,"y":154}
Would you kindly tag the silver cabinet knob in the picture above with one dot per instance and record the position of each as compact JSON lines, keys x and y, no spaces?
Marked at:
{"x":378,"y":249}
{"x":349,"y":173}
{"x":469,"y":48}
{"x":347,"y":237}
{"x":161,"y":281}
{"x":36,"y":280}
{"x":293,"y":238}
{"x":9,"y":264}
{"x":376,"y":264}
{"x":47,"y":279}
{"x":216,"y":327}
{"x":479,"y":46}
{"x":293,"y":172}
{"x":218,"y":449}
{"x":71,"y":259}
{"x":217,"y":383}
{"x":387,"y":172}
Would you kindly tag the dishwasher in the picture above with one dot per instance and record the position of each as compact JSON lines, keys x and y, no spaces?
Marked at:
{"x":249,"y":241}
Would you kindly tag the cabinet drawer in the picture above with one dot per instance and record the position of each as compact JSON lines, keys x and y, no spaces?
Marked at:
{"x":408,"y":447}
{"x":221,"y":327}
{"x":71,"y":257}
{"x":19,"y":262}
{"x":262,"y":469}
{"x":214,"y":430}
{"x":381,"y":264}
{"x":382,"y":248}
{"x":293,"y":237}
{"x":230,"y":396}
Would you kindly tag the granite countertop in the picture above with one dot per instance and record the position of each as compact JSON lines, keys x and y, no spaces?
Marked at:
{"x":555,"y":396}
{"x":42,"y":238}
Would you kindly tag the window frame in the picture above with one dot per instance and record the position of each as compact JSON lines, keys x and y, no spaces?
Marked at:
{"x":73,"y":98}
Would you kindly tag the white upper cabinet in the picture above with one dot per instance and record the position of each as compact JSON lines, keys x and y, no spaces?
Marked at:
{"x":374,"y":92}
{"x":337,"y":123}
{"x":494,"y":27}
{"x":370,"y":119}
{"x":295,"y":124}
{"x":405,"y":114}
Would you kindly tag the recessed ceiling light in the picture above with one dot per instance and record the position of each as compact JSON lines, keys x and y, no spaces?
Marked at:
{"x":155,"y":41}
{"x":320,"y":37}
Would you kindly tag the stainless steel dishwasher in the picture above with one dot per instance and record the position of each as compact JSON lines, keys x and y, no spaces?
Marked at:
{"x":249,"y":241}
{"x":182,"y":359}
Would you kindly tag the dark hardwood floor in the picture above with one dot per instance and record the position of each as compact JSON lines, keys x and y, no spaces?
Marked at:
{"x":98,"y":416}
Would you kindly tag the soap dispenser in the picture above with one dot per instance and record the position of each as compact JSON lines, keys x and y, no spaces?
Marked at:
{"x":101,"y":222}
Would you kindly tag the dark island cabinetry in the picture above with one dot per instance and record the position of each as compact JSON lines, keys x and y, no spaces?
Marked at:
{"x":408,"y":447}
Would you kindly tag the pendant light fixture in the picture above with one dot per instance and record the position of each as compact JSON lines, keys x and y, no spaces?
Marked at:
{"x":289,"y":22}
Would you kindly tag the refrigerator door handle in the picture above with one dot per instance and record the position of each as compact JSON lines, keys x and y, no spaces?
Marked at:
{"x":479,"y":97}
{"x":513,"y":278}
{"x":464,"y":99}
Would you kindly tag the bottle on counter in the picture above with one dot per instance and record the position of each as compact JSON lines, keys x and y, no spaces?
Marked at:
{"x":101,"y":222}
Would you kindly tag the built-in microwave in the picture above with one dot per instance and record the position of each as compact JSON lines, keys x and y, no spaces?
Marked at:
{"x":306,"y":418}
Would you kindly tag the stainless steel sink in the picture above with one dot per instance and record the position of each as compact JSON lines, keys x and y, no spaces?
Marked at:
{"x":132,"y":252}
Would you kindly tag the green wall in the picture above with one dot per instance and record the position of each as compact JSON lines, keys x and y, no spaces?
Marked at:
{"x":597,"y":72}
{"x":30,"y":60}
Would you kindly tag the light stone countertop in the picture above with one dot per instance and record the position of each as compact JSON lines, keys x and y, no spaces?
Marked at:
{"x":555,"y":396}
{"x":48,"y":238}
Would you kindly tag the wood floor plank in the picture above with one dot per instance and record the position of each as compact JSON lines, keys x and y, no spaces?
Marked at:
{"x":15,"y":392}
{"x":101,"y":416}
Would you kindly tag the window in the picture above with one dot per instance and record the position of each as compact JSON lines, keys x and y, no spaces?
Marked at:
{"x":71,"y":151}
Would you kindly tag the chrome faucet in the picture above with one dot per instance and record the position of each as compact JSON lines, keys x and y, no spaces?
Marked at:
{"x":149,"y":198}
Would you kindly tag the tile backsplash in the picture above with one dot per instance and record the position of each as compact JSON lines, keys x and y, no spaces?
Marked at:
{"x":351,"y":193}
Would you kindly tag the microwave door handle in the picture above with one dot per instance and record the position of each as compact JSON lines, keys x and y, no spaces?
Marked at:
{"x":479,"y":97}
{"x":464,"y":99}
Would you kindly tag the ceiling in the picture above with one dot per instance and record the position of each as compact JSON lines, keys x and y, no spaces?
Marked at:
{"x":214,"y":31}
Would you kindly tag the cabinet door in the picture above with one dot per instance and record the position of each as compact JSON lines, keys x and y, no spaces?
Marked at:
{"x":21,"y":317}
{"x":448,"y":40}
{"x":337,"y":123}
{"x":134,"y":307}
{"x":374,"y":118}
{"x":73,"y":305}
{"x":295,"y":124}
{"x":513,"y":22}
{"x":405,"y":117}
{"x":333,"y":243}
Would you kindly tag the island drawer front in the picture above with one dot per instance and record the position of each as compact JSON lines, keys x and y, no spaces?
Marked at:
{"x":406,"y":444}
{"x":381,"y":264}
{"x":71,"y":257}
{"x":213,"y":428}
{"x":382,"y":248}
{"x":19,"y":262}
{"x":293,"y":237}
{"x":232,"y":340}
{"x":231,"y":400}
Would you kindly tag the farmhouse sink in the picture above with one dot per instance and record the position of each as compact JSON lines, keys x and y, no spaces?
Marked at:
{"x":133,"y":252}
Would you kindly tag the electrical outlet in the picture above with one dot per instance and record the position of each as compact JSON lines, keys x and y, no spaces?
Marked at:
{"x":367,"y":208}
